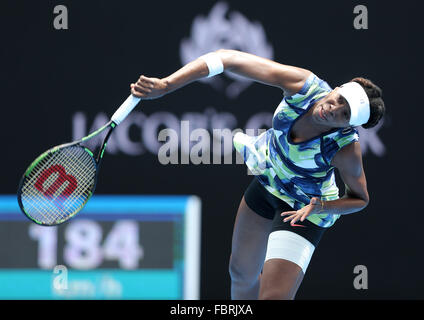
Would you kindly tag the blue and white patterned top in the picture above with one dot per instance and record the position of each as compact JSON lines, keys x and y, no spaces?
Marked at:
{"x":295,"y":172}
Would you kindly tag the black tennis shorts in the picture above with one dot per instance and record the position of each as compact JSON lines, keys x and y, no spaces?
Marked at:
{"x":270,"y":207}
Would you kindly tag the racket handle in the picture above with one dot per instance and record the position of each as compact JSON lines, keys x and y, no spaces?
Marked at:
{"x":125,"y":109}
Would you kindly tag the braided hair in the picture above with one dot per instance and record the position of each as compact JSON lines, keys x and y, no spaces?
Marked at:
{"x":374,"y":93}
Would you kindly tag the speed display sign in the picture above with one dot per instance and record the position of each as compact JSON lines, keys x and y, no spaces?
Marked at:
{"x":118,"y":247}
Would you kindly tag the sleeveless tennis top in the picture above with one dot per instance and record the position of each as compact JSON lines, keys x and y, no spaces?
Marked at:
{"x":295,"y":172}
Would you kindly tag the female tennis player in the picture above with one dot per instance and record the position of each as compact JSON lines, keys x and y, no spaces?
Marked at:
{"x":293,"y":197}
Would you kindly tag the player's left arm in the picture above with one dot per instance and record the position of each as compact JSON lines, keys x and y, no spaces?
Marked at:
{"x":348,"y":160}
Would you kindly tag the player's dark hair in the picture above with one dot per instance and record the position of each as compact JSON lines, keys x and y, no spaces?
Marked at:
{"x":374,"y":93}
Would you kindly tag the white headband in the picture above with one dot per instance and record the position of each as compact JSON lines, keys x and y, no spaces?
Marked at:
{"x":358,"y":102}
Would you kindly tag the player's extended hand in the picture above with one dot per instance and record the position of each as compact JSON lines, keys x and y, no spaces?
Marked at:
{"x":314,"y":206}
{"x":148,"y":88}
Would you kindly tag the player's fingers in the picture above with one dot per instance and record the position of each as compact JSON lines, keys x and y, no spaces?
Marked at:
{"x":142,"y":82}
{"x":141,"y":88}
{"x":287,"y":213}
{"x":289,"y":218}
{"x":137,"y":94}
{"x":295,"y":219}
{"x":146,"y":80}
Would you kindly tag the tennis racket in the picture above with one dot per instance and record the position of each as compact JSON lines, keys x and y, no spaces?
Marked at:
{"x":58,"y":183}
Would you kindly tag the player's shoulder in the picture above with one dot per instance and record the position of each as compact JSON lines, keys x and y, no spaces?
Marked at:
{"x":313,"y":87}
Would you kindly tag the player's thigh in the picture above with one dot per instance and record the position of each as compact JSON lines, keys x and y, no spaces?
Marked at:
{"x":289,"y":251}
{"x":249,"y":241}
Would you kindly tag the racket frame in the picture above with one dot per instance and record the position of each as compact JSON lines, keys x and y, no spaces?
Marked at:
{"x":97,"y":160}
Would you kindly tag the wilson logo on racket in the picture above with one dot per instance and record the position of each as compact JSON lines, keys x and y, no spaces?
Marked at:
{"x":62,"y":178}
{"x":65,"y":192}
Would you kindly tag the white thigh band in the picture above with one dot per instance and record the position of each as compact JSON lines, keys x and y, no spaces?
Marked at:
{"x":290,"y":246}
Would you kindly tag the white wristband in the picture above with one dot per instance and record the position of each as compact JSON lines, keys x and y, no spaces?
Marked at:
{"x":214,"y":63}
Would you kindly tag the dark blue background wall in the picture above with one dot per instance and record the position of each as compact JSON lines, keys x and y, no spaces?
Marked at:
{"x":51,"y":77}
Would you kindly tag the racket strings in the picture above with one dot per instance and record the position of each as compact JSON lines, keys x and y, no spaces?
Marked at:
{"x":59,"y":185}
{"x":31,"y":200}
{"x":36,"y":205}
{"x":54,"y":210}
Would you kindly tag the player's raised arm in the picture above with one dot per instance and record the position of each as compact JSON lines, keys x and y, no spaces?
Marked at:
{"x":288,"y":78}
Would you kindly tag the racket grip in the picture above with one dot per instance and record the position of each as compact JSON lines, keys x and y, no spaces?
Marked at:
{"x":125,"y":109}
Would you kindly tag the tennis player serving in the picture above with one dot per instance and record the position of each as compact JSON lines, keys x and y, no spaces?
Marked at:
{"x":293,"y":198}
